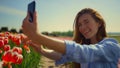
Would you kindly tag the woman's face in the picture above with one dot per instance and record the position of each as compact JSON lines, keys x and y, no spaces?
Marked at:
{"x":88,"y":27}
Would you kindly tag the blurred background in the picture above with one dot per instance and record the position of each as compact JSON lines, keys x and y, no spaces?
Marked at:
{"x":58,"y":15}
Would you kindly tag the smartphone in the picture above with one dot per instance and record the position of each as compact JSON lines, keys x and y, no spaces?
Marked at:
{"x":31,"y":10}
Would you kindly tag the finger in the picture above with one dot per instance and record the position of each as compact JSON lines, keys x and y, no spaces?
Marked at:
{"x":26,"y":19}
{"x":119,"y":61}
{"x":23,"y":23}
{"x":35,"y":17}
{"x":28,"y":16}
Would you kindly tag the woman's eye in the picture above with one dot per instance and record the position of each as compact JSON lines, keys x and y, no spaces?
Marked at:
{"x":86,"y":22}
{"x":79,"y":25}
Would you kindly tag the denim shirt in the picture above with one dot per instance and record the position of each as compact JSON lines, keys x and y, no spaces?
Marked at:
{"x":104,"y":54}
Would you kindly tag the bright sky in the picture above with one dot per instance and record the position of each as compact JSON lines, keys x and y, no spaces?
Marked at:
{"x":58,"y":15}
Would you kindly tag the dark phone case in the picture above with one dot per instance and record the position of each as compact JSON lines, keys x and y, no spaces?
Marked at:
{"x":31,"y":10}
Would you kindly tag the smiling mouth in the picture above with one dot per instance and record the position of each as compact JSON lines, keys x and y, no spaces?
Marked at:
{"x":86,"y":32}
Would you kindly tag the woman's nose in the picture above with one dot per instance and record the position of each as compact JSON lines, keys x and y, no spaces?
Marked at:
{"x":82,"y":28}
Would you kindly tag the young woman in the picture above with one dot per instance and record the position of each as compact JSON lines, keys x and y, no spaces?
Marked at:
{"x":90,"y":47}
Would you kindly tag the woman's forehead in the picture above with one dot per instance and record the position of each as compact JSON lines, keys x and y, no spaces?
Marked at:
{"x":84,"y":17}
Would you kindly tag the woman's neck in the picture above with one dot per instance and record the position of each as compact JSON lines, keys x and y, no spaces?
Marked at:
{"x":93,"y":40}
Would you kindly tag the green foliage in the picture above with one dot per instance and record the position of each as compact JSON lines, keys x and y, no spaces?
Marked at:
{"x":30,"y":60}
{"x":116,"y":37}
{"x":57,"y":33}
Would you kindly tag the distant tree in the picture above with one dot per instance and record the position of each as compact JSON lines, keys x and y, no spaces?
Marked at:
{"x":13,"y":30}
{"x":20,"y":31}
{"x":56,"y":33}
{"x":68,"y":33}
{"x":53,"y":34}
{"x":4,"y":29}
{"x":45,"y":33}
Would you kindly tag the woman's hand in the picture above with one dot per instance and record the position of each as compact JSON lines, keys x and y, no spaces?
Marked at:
{"x":37,"y":48}
{"x":51,"y":54}
{"x":27,"y":41}
{"x":30,"y":28}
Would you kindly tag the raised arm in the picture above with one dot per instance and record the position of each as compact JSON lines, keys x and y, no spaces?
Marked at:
{"x":31,"y":30}
{"x":51,"y":54}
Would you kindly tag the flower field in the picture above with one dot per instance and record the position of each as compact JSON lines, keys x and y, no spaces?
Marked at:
{"x":16,"y":54}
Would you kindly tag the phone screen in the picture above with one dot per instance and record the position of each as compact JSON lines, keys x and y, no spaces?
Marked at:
{"x":31,"y":10}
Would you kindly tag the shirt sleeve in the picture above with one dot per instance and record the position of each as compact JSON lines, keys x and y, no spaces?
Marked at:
{"x":108,"y":51}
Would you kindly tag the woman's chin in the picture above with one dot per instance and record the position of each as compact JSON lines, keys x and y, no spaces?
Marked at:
{"x":87,"y":37}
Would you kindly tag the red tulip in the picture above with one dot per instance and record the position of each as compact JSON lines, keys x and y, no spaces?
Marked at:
{"x":18,"y":41}
{"x":1,"y":38}
{"x":1,"y":51}
{"x":1,"y":34}
{"x":5,"y":41}
{"x":6,"y":47}
{"x":15,"y":57}
{"x":17,"y":49}
{"x":1,"y":43}
{"x":10,"y":36}
{"x":7,"y":56}
{"x":7,"y":33}
{"x":19,"y":61}
{"x":4,"y":63}
{"x":13,"y":39}
{"x":27,"y":48}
